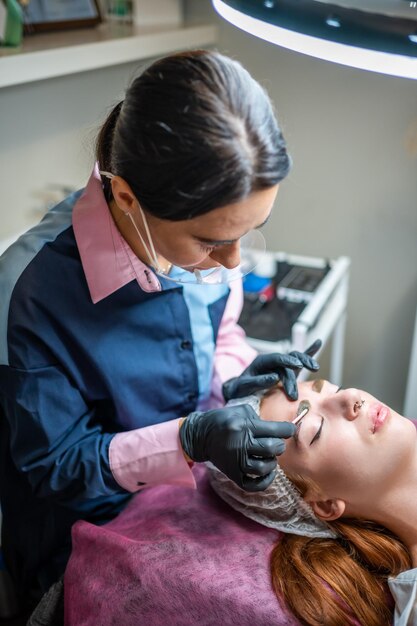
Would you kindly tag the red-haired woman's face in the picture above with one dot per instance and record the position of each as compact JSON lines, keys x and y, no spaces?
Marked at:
{"x":353,"y":450}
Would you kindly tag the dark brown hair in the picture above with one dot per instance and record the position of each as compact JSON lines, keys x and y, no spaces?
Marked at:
{"x":333,"y":582}
{"x":194,"y":133}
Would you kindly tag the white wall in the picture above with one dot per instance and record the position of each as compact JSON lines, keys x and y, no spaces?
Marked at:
{"x":47,"y":134}
{"x":352,"y":191}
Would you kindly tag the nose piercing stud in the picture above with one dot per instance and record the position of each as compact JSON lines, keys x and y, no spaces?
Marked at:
{"x":358,"y":405}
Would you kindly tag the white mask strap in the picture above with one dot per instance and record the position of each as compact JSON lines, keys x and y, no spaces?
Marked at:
{"x":153,"y":259}
{"x":106,"y":174}
{"x":148,"y":234}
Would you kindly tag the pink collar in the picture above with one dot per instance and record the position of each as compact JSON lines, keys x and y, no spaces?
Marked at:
{"x":108,"y":261}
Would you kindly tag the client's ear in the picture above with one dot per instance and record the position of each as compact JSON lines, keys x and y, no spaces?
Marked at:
{"x":328,"y":510}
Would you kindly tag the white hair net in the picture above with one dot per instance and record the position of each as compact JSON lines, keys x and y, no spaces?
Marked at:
{"x":280,"y":506}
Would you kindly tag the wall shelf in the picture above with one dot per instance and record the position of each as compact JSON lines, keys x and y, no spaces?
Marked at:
{"x":50,"y":55}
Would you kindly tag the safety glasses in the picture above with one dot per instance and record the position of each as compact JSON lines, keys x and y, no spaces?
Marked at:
{"x":252,"y":246}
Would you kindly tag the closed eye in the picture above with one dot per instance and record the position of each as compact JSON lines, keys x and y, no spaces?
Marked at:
{"x":318,"y":433}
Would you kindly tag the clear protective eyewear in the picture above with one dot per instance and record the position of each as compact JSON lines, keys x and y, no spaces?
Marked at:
{"x":252,"y":248}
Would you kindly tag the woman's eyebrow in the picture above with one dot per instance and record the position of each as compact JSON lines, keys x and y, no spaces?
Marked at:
{"x":228,"y":242}
{"x":318,"y":385}
{"x":217,"y":242}
{"x":302,"y":409}
{"x":264,"y":222}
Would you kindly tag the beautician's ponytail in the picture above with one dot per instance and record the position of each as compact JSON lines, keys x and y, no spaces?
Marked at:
{"x":195,"y":132}
{"x":339,"y":582}
{"x":104,"y":145}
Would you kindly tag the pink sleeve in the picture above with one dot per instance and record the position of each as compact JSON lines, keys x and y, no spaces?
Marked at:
{"x":149,"y":456}
{"x":233,"y":353}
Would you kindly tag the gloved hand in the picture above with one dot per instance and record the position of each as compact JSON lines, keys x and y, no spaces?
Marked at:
{"x":237,"y":442}
{"x":267,"y":369}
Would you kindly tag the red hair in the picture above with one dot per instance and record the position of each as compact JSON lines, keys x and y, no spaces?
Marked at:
{"x":333,"y":582}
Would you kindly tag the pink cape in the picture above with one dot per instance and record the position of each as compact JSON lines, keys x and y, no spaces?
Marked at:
{"x":176,"y":557}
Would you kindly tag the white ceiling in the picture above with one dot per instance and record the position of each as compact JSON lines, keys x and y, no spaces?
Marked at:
{"x":388,"y":7}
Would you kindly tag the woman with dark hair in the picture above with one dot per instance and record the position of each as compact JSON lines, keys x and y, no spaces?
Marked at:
{"x":120,"y":333}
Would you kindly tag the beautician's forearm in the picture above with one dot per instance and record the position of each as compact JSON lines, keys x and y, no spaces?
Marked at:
{"x":150,"y":456}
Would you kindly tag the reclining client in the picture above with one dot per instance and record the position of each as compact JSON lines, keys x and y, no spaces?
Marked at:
{"x":343,"y":497}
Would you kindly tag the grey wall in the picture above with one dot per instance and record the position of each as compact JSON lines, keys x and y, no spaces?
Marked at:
{"x":352,"y":191}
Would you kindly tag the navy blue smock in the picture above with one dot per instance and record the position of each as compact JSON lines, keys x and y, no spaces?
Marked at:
{"x":73,"y":373}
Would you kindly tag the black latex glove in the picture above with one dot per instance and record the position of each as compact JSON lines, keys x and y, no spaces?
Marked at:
{"x":267,"y":369}
{"x":236,"y":441}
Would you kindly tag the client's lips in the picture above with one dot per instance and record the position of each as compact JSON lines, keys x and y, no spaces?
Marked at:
{"x":378,"y":414}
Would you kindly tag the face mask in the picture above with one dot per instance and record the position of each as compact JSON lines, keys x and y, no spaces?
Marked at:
{"x":252,"y":247}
